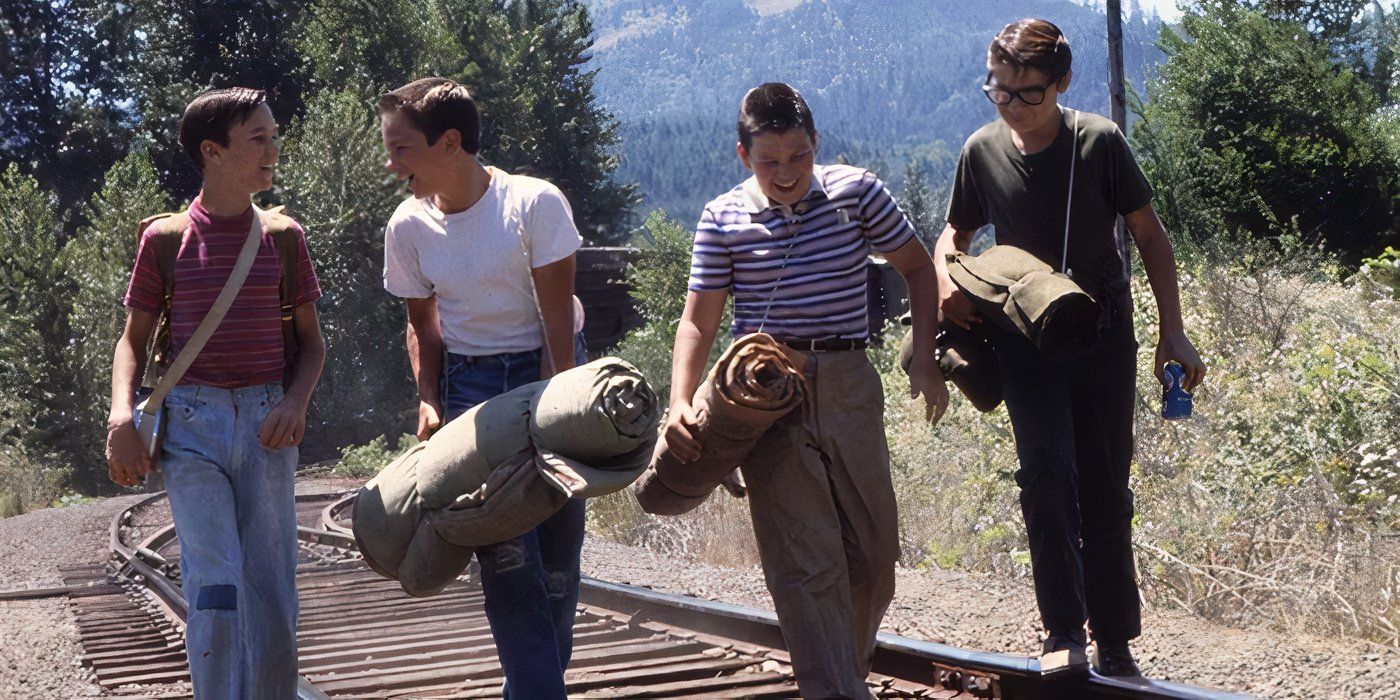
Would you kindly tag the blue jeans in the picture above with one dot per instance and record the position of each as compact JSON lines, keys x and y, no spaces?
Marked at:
{"x":235,"y":516}
{"x":530,"y":583}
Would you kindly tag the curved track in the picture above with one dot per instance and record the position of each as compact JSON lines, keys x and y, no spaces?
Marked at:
{"x":360,"y":636}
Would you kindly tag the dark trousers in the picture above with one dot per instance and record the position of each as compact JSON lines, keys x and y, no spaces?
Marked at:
{"x":1073,"y":422}
{"x":530,"y":583}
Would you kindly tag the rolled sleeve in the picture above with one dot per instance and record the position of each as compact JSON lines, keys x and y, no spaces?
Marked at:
{"x":403,"y":275}
{"x":549,"y":227}
{"x":711,"y":264}
{"x":145,"y":292}
{"x":886,"y":226}
{"x":965,"y":210}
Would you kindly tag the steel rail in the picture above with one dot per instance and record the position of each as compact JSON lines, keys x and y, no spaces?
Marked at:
{"x":897,"y":659}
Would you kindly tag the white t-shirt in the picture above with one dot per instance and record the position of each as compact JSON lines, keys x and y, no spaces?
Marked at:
{"x":475,"y":263}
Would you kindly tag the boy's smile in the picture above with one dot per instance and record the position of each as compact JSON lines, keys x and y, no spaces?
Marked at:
{"x":781,"y":163}
{"x":410,"y":156}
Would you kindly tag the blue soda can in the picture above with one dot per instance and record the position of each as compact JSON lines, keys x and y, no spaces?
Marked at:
{"x":1176,"y":401}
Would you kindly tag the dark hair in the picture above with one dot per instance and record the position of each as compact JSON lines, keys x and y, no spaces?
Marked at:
{"x":1032,"y":43}
{"x":435,"y":105}
{"x":773,"y":107}
{"x":210,"y":116}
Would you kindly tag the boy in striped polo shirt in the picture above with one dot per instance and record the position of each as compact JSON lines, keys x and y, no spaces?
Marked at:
{"x":790,"y":243}
{"x":230,"y":450}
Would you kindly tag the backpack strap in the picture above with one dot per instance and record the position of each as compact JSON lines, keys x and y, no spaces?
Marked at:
{"x":285,"y":234}
{"x":167,"y":235}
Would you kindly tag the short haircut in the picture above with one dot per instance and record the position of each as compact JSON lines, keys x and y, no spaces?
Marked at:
{"x":773,"y":107}
{"x":1032,"y":43}
{"x":435,"y":105}
{"x":210,"y":116}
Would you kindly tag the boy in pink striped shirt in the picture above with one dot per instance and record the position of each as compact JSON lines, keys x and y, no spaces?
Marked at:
{"x":230,"y":449}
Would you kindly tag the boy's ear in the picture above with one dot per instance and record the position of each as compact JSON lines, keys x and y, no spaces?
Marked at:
{"x":452,"y":140}
{"x":743,"y":154}
{"x":212,"y":152}
{"x":1063,"y":85}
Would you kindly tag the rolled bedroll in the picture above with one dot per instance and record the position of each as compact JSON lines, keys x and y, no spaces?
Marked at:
{"x":504,"y":467}
{"x":753,"y":384}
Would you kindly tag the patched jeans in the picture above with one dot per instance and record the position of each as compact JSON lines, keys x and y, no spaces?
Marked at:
{"x":530,"y":583}
{"x":235,"y":516}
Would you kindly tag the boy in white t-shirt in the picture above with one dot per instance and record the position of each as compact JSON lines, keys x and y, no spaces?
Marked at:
{"x":472,"y":252}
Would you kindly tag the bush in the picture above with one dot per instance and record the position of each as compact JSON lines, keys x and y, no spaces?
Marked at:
{"x":364,"y":461}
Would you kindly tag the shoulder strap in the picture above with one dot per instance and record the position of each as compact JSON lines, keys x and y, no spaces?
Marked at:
{"x":168,"y":232}
{"x":1069,"y":198}
{"x":212,"y":319}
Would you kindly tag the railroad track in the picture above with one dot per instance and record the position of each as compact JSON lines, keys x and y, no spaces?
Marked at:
{"x":360,"y":636}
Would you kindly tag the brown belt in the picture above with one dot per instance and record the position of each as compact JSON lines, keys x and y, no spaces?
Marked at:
{"x":825,"y":344}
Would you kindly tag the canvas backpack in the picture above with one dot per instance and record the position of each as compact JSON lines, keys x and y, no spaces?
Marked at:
{"x":168,"y":233}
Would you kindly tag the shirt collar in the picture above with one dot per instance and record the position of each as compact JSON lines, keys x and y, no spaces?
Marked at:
{"x":756,"y":201}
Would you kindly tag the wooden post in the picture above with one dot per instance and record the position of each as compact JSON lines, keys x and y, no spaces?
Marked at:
{"x":1118,"y":109}
{"x":1117,"y":98}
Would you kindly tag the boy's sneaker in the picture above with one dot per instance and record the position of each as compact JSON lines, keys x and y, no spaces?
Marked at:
{"x":1064,"y":655}
{"x":1114,"y":660}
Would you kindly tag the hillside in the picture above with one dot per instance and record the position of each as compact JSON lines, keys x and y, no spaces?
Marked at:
{"x":887,"y":81}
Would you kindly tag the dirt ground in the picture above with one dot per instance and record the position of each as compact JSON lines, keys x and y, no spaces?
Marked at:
{"x":39,"y":653}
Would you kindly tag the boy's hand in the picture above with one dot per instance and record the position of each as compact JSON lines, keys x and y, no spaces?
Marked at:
{"x":284,"y":426}
{"x":429,"y":419}
{"x":127,"y":461}
{"x":682,"y":424}
{"x":1176,"y":347}
{"x":955,"y":306}
{"x":927,"y":379}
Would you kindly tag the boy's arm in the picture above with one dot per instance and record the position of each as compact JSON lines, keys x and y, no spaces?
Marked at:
{"x":285,"y":425}
{"x":424,"y":339}
{"x":925,"y":378}
{"x":554,"y":285}
{"x":1157,"y":258}
{"x":127,"y":461}
{"x":695,"y":334}
{"x":952,"y":303}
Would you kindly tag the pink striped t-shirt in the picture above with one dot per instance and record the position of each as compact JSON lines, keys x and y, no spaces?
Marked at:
{"x":246,"y":349}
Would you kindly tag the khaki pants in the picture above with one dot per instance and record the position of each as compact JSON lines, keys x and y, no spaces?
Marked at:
{"x":824,"y":516}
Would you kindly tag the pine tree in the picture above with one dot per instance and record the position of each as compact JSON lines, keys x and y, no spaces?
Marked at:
{"x":63,"y":104}
{"x":921,"y":206}
{"x":333,"y":182}
{"x":98,"y":262}
{"x":35,"y":370}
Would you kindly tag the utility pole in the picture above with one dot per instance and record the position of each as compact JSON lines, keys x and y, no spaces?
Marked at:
{"x":1118,"y":109}
{"x":1117,"y":98}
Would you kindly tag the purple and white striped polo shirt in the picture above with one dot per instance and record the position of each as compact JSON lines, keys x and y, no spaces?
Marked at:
{"x":807,"y":261}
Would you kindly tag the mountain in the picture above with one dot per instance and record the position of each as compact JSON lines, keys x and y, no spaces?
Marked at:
{"x":887,"y":81}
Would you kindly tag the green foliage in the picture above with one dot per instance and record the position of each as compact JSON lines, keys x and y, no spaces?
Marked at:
{"x":1252,"y":129}
{"x":98,"y":262}
{"x":333,"y":182}
{"x":658,"y":277}
{"x":63,"y":109}
{"x":524,"y":63}
{"x":35,"y":363}
{"x":364,"y":461}
{"x":924,"y":208}
{"x":1383,"y":271}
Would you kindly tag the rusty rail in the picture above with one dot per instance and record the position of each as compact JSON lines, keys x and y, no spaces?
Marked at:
{"x":360,"y":636}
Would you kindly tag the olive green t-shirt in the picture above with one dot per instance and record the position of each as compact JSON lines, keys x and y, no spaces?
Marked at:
{"x":1023,"y":196}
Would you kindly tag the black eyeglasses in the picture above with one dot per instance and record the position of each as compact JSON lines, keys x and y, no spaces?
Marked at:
{"x":1002,"y":96}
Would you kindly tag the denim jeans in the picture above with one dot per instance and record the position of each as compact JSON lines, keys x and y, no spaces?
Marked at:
{"x":530,"y":583}
{"x":1073,"y":423}
{"x":235,"y":516}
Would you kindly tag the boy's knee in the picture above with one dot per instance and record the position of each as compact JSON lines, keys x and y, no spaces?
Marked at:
{"x":221,"y":596}
{"x":559,"y":584}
